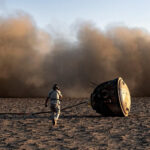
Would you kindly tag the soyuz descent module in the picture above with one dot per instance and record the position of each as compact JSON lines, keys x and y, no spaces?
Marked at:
{"x":111,"y":98}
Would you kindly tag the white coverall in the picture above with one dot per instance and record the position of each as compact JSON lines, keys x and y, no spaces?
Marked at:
{"x":55,"y":96}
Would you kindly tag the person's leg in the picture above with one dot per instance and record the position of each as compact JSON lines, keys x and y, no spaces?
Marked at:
{"x":57,"y":114}
{"x":53,"y":114}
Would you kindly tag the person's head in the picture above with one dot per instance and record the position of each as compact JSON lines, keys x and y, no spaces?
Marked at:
{"x":55,"y":87}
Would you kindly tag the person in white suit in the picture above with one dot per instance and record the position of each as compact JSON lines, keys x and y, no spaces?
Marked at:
{"x":55,"y":97}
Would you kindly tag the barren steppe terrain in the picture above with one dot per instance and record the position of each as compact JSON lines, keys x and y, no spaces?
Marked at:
{"x":79,"y":127}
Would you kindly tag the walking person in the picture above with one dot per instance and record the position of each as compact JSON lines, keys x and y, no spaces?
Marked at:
{"x":55,"y":97}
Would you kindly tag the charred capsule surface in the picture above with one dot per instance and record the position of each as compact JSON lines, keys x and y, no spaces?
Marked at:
{"x":111,"y":98}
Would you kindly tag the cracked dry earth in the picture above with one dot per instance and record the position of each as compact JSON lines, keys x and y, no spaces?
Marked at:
{"x":79,"y":126}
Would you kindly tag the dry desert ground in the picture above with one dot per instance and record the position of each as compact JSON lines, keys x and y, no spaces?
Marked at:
{"x":25,"y":125}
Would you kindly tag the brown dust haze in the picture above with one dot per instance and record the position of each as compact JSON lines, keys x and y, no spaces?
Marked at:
{"x":31,"y":60}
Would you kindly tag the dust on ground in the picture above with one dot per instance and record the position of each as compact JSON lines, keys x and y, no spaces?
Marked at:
{"x":79,"y":127}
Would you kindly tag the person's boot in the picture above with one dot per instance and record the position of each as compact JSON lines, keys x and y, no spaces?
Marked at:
{"x":53,"y":122}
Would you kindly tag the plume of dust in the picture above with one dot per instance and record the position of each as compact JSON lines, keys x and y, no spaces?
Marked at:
{"x":20,"y":58}
{"x":30,"y":63}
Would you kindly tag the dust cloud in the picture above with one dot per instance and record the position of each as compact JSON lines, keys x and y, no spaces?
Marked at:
{"x":31,"y":60}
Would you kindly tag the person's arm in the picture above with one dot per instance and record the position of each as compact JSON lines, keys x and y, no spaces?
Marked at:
{"x":48,"y":98}
{"x":60,"y":95}
{"x":46,"y":101}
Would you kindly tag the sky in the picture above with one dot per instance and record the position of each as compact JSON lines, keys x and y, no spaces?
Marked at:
{"x":64,"y":13}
